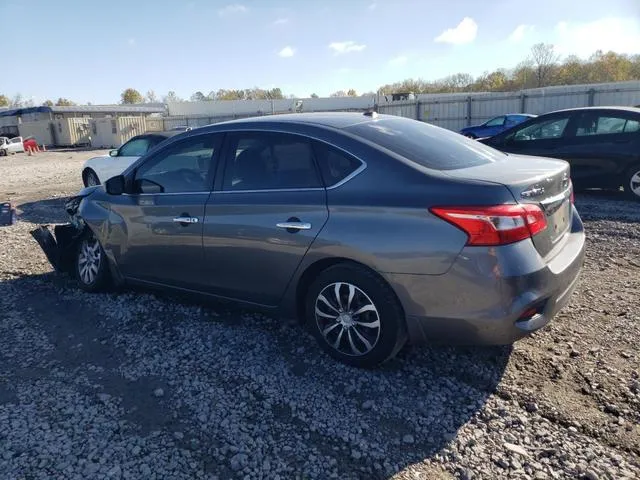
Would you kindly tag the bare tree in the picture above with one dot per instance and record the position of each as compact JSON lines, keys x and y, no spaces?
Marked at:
{"x":544,"y":60}
{"x":151,"y":97}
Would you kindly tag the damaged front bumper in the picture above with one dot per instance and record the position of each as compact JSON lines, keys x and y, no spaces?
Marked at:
{"x":61,"y":246}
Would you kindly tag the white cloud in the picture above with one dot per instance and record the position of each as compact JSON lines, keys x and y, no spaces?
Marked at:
{"x":519,"y":33}
{"x":398,"y":61}
{"x":232,"y":9}
{"x":280,"y":21}
{"x":622,"y":35}
{"x":465,"y":32}
{"x":346,"y":47}
{"x":131,"y":41}
{"x":286,"y":52}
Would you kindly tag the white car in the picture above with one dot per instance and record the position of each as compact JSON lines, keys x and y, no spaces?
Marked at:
{"x":98,"y":170}
{"x":11,"y":146}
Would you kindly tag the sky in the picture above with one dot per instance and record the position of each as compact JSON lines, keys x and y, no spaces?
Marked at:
{"x":90,"y":50}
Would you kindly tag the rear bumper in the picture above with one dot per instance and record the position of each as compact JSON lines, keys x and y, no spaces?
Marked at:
{"x":483,"y":297}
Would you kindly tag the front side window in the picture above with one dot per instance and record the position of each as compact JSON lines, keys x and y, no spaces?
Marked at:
{"x":269,"y":161}
{"x":593,"y":124}
{"x":545,"y":129}
{"x":185,"y":166}
{"x":134,"y":148}
{"x":495,"y":122}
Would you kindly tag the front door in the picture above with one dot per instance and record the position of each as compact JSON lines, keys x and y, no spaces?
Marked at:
{"x":162,"y":218}
{"x":543,"y":137}
{"x":259,"y":224}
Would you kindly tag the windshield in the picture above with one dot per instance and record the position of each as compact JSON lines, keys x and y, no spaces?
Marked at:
{"x":425,"y":144}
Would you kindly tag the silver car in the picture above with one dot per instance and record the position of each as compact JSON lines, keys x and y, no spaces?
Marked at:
{"x":373,"y":230}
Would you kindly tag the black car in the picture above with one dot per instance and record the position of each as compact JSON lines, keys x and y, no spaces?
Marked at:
{"x":602,"y":144}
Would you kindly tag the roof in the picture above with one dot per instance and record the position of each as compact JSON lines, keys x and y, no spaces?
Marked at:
{"x":154,"y":108}
{"x":601,"y":107}
{"x":327,"y":119}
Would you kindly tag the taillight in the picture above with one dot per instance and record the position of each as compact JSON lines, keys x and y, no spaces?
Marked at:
{"x":496,"y":225}
{"x":572,"y":196}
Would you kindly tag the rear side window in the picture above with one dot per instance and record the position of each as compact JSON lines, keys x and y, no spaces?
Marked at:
{"x":270,"y":161}
{"x":425,"y":144}
{"x":591,"y":124}
{"x":334,"y":164}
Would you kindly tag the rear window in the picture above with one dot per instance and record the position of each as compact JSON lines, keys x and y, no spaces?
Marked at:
{"x":425,"y":144}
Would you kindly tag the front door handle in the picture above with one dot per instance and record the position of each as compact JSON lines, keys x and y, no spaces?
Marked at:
{"x":294,"y":225}
{"x":186,"y":219}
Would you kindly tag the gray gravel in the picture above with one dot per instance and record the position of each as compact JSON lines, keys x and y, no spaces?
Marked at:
{"x":131,"y":385}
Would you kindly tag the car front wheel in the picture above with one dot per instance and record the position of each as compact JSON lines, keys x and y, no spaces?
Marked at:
{"x":355,"y":316}
{"x":632,"y":183}
{"x":90,"y":178}
{"x":92,"y":270}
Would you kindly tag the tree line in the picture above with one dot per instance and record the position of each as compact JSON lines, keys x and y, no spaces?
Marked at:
{"x":543,"y":67}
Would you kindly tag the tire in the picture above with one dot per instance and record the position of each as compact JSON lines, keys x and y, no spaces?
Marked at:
{"x":90,"y":178}
{"x":470,"y":135}
{"x":91,"y":268}
{"x":631,"y":180}
{"x":3,"y":153}
{"x":343,"y":335}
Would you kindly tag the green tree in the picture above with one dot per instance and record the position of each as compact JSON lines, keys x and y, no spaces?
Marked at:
{"x":4,"y":101}
{"x":314,"y":95}
{"x":64,"y":102}
{"x":131,"y":96}
{"x":47,"y":103}
{"x":198,"y":97}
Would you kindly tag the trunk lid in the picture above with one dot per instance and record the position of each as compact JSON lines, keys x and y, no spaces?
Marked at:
{"x":532,"y":180}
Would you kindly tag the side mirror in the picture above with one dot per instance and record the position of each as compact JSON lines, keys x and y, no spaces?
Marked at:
{"x":148,"y":186}
{"x":115,"y":185}
{"x":113,"y":153}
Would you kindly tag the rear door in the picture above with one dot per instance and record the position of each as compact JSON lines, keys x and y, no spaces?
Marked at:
{"x":263,"y":216}
{"x":161,"y":220}
{"x":601,"y":148}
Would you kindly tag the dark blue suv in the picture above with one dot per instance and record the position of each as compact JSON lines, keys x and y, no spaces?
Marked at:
{"x":495,"y":125}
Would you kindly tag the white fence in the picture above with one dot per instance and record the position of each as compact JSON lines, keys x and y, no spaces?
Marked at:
{"x":455,"y":111}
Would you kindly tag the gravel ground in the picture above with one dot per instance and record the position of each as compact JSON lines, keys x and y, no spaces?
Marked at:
{"x":132,"y":385}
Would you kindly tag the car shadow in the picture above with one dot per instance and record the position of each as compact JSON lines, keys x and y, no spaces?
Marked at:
{"x":367,"y":423}
{"x":50,"y":210}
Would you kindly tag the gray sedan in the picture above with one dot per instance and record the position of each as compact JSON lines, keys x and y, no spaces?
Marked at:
{"x":373,"y":230}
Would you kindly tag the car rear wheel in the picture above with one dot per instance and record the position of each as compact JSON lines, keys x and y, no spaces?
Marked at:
{"x":92,"y":270}
{"x":3,"y":153}
{"x":355,"y":316}
{"x":632,"y":183}
{"x":90,"y":178}
{"x":470,"y":135}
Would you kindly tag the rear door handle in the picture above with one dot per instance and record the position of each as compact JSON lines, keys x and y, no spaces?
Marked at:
{"x":294,"y":225}
{"x":186,"y":220}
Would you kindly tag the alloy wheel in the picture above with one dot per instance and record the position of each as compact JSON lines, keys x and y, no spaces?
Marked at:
{"x":347,"y":318}
{"x":634,"y":183}
{"x":92,"y":180}
{"x":89,"y":260}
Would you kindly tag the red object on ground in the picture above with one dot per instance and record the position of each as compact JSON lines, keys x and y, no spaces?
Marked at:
{"x":30,"y":143}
